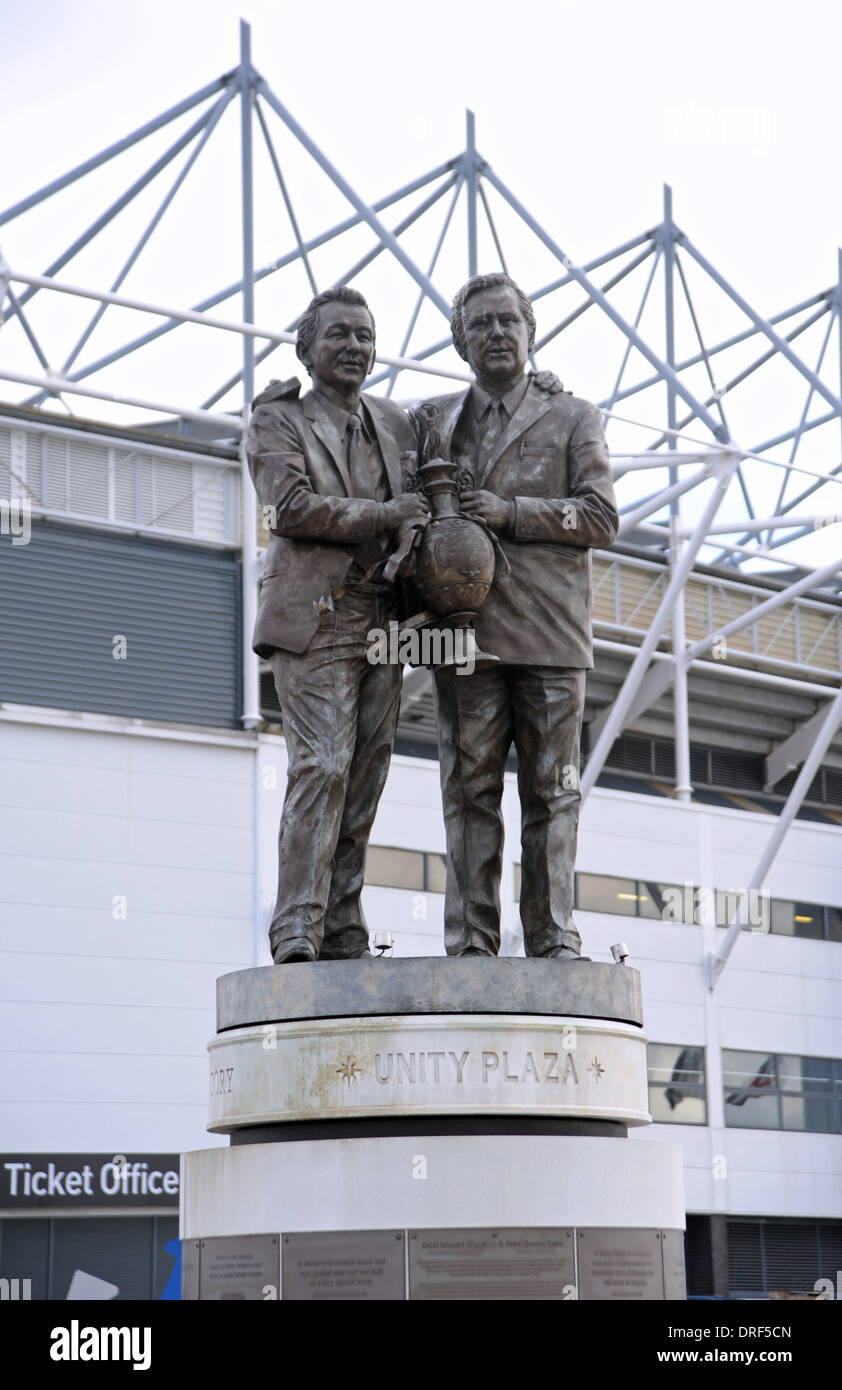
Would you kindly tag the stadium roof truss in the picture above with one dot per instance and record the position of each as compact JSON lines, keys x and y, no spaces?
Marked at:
{"x":677,"y":392}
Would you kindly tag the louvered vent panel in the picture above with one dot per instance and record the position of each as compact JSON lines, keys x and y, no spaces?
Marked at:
{"x":740,"y":770}
{"x":791,"y":1256}
{"x":745,"y":1261}
{"x":631,"y":754}
{"x":57,"y":474}
{"x":269,"y":705}
{"x":32,"y":451}
{"x":173,"y":494}
{"x":177,"y":606}
{"x":5,"y":458}
{"x":664,"y":759}
{"x":146,"y":488}
{"x":830,"y":1251}
{"x":699,"y":768}
{"x":209,"y":518}
{"x":698,"y":1256}
{"x":87,"y":477}
{"x":124,"y":486}
{"x":833,"y":792}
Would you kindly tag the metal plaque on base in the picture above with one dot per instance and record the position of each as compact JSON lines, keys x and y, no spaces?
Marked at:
{"x":620,"y":1264}
{"x":510,"y":1263}
{"x":344,"y":1266}
{"x":675,"y":1277}
{"x":189,"y":1271}
{"x":242,"y":1268}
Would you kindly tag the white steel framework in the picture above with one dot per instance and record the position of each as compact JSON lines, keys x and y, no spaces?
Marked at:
{"x":677,"y":393}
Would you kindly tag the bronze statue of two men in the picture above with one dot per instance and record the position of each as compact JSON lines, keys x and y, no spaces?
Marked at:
{"x":332,"y":471}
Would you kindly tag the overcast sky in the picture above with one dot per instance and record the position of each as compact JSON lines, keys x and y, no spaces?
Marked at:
{"x":584,"y":109}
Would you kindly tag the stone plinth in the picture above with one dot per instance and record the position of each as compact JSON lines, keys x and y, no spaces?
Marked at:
{"x":468,"y":1118}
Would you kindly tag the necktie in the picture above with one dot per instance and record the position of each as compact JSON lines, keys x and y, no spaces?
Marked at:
{"x":492,"y":430}
{"x":362,"y":484}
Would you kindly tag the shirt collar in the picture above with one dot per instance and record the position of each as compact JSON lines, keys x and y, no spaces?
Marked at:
{"x":339,"y":415}
{"x":509,"y":402}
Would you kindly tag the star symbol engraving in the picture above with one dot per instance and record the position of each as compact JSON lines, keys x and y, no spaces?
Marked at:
{"x":596,"y":1070}
{"x":348,"y":1071}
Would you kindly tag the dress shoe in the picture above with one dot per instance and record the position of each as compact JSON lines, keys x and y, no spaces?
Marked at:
{"x":476,"y":951}
{"x":562,"y":953}
{"x":294,"y":951}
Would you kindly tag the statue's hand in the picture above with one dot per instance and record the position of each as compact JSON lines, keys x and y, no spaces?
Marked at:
{"x":409,"y":508}
{"x":487,"y":507}
{"x":546,"y":381}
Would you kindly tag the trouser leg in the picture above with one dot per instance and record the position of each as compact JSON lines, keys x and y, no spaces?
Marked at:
{"x":317,"y":692}
{"x":475,"y":733}
{"x":547,"y":708}
{"x":378,"y":706}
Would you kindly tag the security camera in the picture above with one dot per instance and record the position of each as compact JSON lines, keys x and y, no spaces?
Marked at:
{"x":620,"y":952}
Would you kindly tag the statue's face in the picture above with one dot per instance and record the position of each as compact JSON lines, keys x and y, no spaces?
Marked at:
{"x":496,"y":335}
{"x":342,"y":351}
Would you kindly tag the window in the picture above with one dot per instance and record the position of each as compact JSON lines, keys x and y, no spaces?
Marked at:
{"x":599,"y":894}
{"x":682,"y":902}
{"x":394,"y":868}
{"x":781,"y":1091}
{"x":436,"y":872}
{"x":405,"y":868}
{"x":632,"y":897}
{"x":676,"y":1084}
{"x":797,"y":919}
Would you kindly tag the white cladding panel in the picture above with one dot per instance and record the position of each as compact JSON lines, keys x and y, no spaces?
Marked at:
{"x":106,"y":1019}
{"x":127,"y":888}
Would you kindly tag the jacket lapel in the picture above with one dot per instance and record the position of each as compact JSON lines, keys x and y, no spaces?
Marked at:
{"x":327,"y":433}
{"x":450,"y":421}
{"x":530,"y":409}
{"x":388,"y":446}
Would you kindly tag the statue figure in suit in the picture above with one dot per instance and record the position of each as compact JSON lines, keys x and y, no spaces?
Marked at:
{"x":328,"y":472}
{"x":535,"y":470}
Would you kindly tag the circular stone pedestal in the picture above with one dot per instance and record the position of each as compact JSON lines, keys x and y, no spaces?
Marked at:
{"x":431,"y":1128}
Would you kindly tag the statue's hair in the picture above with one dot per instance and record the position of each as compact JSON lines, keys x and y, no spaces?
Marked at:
{"x":486,"y":282}
{"x":308,"y":324}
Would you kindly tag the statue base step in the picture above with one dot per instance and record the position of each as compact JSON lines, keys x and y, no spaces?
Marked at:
{"x":500,"y":1216}
{"x":431,"y":1128}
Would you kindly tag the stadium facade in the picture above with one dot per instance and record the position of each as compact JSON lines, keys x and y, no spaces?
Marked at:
{"x":143,"y":763}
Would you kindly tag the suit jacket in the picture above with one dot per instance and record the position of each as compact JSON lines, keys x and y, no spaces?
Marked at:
{"x":299,"y":467}
{"x":552,"y":462}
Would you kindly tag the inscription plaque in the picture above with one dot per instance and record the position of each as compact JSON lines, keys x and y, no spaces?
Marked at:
{"x":620,"y":1264}
{"x":343,"y":1266}
{"x":675,"y":1278}
{"x":428,"y":1065}
{"x":189,"y":1271}
{"x":509,"y":1263}
{"x":243,"y":1268}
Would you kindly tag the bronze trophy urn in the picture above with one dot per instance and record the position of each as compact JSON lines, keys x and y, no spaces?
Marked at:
{"x":455,"y":563}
